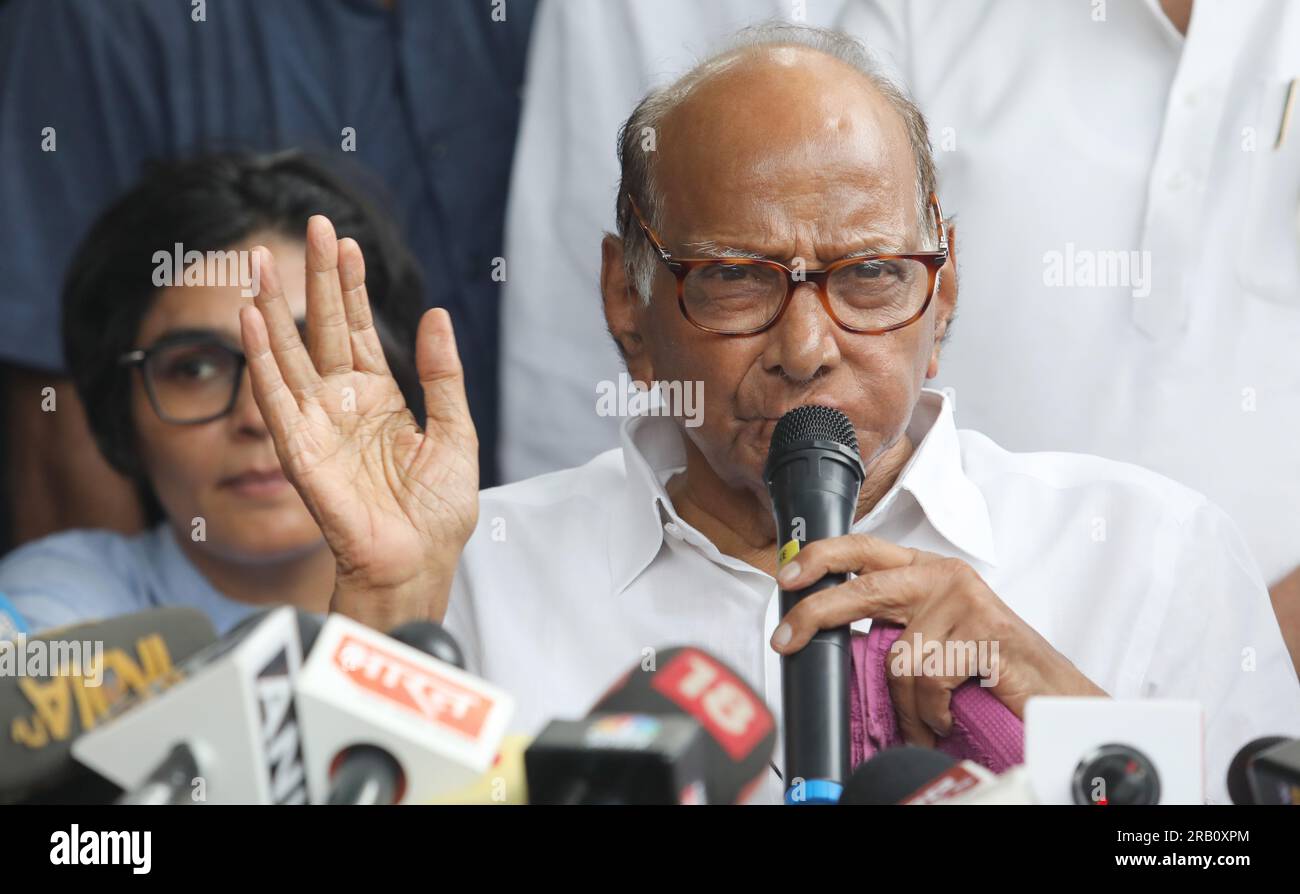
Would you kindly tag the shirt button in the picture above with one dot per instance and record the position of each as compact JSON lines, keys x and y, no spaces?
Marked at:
{"x":672,"y":528}
{"x":1177,"y":180}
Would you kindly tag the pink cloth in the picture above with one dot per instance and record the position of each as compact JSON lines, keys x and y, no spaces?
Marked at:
{"x":983,"y":729}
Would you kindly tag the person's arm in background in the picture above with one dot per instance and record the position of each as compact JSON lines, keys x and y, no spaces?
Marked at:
{"x":1286,"y":605}
{"x":63,"y":65}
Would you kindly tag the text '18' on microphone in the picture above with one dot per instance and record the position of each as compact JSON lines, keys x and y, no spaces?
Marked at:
{"x":813,"y":475}
{"x":687,"y":730}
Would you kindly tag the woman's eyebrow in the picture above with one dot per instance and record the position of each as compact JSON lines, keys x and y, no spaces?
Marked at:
{"x":192,"y":332}
{"x":227,"y":336}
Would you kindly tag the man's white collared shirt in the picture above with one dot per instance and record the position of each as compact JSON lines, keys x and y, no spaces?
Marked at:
{"x":1148,"y":588}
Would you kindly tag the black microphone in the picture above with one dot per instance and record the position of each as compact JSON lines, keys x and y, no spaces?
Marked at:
{"x":626,"y":759}
{"x":893,"y":775}
{"x":740,"y":731}
{"x":1275,"y":773}
{"x":1240,"y":789}
{"x":813,"y":475}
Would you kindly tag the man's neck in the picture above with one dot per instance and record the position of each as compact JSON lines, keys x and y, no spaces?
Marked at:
{"x":739,"y":523}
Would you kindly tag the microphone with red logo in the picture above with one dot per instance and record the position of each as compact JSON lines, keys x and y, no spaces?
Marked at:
{"x":739,"y":732}
{"x":387,"y":723}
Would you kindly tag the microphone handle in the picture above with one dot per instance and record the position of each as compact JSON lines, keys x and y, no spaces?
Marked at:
{"x":815,"y":699}
{"x":170,"y":781}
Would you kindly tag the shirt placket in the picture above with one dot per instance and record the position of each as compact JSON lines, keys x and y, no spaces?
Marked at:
{"x":1176,"y":188}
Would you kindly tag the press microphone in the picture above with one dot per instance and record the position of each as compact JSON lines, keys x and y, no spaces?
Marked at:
{"x":624,"y":759}
{"x":1275,"y":774}
{"x":431,"y":639}
{"x":895,"y":775}
{"x":386,"y":723}
{"x":813,"y":475}
{"x":87,"y":670}
{"x":367,"y":774}
{"x":232,"y":705}
{"x":740,"y":731}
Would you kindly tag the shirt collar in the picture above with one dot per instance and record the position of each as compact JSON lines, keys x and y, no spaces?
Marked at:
{"x":933,"y":476}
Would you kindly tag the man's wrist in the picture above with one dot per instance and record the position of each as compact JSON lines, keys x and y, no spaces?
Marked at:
{"x":388,"y":604}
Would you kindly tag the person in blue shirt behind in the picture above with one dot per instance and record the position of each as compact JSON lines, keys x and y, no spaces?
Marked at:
{"x":157,"y":361}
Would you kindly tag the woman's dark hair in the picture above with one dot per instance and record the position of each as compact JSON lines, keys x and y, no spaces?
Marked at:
{"x":212,"y":203}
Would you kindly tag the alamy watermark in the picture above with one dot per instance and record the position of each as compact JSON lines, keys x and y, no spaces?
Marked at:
{"x":950,"y":658}
{"x":1086,"y":268}
{"x":21,"y":657}
{"x":630,"y":397}
{"x":179,"y":267}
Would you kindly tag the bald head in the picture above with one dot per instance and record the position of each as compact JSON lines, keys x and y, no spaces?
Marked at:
{"x":789,"y":119}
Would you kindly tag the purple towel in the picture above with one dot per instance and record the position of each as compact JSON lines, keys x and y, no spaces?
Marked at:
{"x":983,"y":729}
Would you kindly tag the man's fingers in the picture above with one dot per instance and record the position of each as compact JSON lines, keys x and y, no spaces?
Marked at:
{"x":892,"y":595}
{"x":367,"y":352}
{"x":903,"y":694}
{"x":291,"y":356}
{"x":327,"y":322}
{"x":442,"y":377}
{"x":279,"y":407}
{"x":934,"y":702}
{"x":856,"y":553}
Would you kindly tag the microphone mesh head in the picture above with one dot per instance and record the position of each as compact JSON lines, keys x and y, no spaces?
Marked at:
{"x":813,"y":423}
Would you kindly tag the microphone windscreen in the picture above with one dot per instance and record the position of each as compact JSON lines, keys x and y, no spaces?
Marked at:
{"x":893,"y":774}
{"x":813,"y":423}
{"x":431,"y":639}
{"x":1239,"y":787}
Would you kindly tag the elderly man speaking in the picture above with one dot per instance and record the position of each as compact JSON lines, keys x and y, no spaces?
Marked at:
{"x":780,"y":241}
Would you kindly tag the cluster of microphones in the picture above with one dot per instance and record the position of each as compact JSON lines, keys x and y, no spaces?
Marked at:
{"x":290,"y":709}
{"x":286,"y":709}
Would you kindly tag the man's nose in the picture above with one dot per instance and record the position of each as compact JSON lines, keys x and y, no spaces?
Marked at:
{"x":802,"y":343}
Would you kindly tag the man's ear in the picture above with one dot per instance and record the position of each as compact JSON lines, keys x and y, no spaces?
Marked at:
{"x":624,"y":312}
{"x":945,"y":301}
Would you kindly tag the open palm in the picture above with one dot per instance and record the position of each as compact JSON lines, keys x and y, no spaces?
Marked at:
{"x":395,"y":503}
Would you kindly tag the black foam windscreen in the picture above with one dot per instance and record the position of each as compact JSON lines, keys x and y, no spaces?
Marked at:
{"x":431,"y":639}
{"x":1239,"y":787}
{"x":813,"y":423}
{"x":893,"y":774}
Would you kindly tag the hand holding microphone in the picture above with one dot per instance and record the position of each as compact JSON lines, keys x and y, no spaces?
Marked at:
{"x":940,"y":598}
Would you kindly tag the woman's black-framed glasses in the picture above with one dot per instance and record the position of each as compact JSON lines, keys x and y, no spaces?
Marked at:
{"x":190,"y":379}
{"x":868,"y":294}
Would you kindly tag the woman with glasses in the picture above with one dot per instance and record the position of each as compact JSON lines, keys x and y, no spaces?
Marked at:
{"x":151,"y":333}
